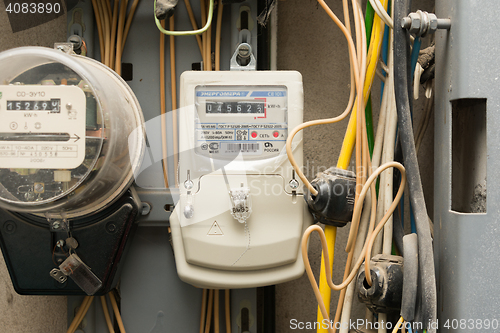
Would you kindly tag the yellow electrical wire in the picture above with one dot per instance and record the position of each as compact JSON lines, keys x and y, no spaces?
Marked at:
{"x":129,"y":22}
{"x":398,"y":325}
{"x":228,"y":310}
{"x":209,"y":310}
{"x":106,"y":314}
{"x":113,"y":34}
{"x":116,"y":311}
{"x":84,"y":308}
{"x":194,"y":25}
{"x":119,"y":38}
{"x":345,"y":155}
{"x":107,"y":33}
{"x":218,"y":35}
{"x":173,"y":84}
{"x":368,"y":244}
{"x":349,"y":139}
{"x":99,"y":27}
{"x":203,"y":310}
{"x":216,"y":311}
{"x":164,"y":151}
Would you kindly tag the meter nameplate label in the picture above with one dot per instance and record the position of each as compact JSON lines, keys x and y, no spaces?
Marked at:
{"x":251,"y":120}
{"x":42,"y":127}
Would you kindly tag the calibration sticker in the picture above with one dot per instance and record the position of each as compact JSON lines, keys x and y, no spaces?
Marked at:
{"x":42,"y":127}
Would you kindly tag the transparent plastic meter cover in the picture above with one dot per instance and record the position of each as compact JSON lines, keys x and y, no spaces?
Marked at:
{"x":64,"y":133}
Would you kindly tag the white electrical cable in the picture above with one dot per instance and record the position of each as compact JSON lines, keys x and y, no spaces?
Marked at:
{"x":379,"y":9}
{"x":388,"y":154}
{"x":416,"y":80}
{"x":358,"y":247}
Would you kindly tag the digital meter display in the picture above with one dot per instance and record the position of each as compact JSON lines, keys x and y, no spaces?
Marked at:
{"x":53,"y":105}
{"x":234,"y":107}
{"x":251,"y":120}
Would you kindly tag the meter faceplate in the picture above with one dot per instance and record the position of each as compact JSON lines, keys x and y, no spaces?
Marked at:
{"x":251,"y":120}
{"x":43,"y":127}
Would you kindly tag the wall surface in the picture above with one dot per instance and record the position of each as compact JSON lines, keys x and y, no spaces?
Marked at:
{"x":309,"y":42}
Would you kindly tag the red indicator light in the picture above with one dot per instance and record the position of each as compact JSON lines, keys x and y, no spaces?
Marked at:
{"x":276,"y":134}
{"x":254,"y":134}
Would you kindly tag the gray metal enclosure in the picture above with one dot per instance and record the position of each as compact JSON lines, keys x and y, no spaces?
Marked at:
{"x":467,"y":155}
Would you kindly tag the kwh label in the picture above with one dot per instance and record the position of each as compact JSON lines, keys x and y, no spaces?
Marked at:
{"x":215,"y":230}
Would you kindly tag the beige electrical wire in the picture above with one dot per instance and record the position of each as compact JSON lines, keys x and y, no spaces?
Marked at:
{"x":164,"y":151}
{"x":84,"y":308}
{"x":369,"y":243}
{"x":203,"y":309}
{"x":204,"y":34}
{"x":209,"y":310}
{"x":130,"y":17}
{"x":119,"y":37}
{"x":99,"y":27}
{"x":107,"y":32}
{"x":218,"y":35}
{"x":216,"y":311}
{"x":208,"y":57}
{"x":106,"y":314}
{"x":173,"y":84}
{"x":228,"y":310}
{"x":113,"y":33}
{"x":107,"y":7}
{"x":356,"y":71}
{"x":116,"y":311}
{"x":194,"y":25}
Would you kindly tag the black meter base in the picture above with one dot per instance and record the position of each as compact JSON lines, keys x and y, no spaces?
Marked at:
{"x":31,"y":250}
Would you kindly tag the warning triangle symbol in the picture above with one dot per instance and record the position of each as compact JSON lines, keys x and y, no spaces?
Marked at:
{"x":215,"y":230}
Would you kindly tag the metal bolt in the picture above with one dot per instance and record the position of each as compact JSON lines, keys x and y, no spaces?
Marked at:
{"x":294,"y":184}
{"x":69,"y":106}
{"x":188,"y":184}
{"x":422,"y":23}
{"x":60,"y":243}
{"x":56,"y":225}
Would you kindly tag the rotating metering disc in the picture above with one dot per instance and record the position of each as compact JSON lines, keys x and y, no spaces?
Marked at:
{"x":71,"y":134}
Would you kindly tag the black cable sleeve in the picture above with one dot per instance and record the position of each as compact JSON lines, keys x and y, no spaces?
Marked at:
{"x":410,"y":277}
{"x":427,"y":278}
{"x":398,"y":232}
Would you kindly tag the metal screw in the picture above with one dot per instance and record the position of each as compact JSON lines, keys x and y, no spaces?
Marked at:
{"x":69,"y":106}
{"x":76,"y":41}
{"x":244,"y":50}
{"x":294,"y":184}
{"x":38,"y":187}
{"x":56,"y":225}
{"x":188,"y":184}
{"x":60,"y":243}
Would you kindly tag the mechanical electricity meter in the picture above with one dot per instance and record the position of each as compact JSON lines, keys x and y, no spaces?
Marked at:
{"x":71,"y":138}
{"x":240,"y":215}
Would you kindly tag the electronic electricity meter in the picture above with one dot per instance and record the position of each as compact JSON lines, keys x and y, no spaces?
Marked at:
{"x":71,"y":138}
{"x":240,"y":215}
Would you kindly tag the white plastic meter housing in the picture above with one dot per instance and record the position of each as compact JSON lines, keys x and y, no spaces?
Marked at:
{"x":64,"y":134}
{"x":240,"y":216}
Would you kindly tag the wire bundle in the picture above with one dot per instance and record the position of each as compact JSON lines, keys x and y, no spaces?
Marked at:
{"x":84,"y":308}
{"x":365,"y":240}
{"x":113,"y":26}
